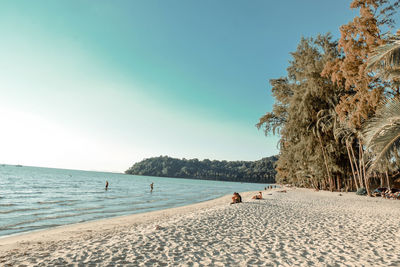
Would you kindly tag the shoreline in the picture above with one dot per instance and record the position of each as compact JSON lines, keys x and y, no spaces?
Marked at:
{"x":151,"y":213}
{"x":300,"y":227}
{"x":108,"y":223}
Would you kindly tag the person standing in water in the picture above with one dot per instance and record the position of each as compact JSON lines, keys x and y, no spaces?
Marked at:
{"x":151,"y":187}
{"x":106,"y":185}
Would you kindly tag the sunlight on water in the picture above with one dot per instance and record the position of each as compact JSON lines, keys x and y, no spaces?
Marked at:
{"x":34,"y":198}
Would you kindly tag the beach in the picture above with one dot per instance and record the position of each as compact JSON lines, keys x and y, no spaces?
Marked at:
{"x":301,"y":227}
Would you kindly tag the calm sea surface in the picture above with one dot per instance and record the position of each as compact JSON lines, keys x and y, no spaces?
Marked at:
{"x":34,"y":198}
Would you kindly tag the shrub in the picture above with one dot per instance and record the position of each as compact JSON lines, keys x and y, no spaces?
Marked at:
{"x":361,"y":191}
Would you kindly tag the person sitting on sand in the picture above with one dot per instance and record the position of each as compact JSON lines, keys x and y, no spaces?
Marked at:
{"x":378,"y":192}
{"x":259,"y":196}
{"x":387,"y":194}
{"x":236,"y":198}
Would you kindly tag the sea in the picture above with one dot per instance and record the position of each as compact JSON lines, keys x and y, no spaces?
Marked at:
{"x":34,"y":198}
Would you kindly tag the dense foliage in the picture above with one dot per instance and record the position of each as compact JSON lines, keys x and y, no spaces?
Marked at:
{"x":305,"y":110}
{"x":261,"y":171}
{"x":326,"y":98}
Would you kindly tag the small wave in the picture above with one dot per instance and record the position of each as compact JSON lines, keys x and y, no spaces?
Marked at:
{"x":41,"y":187}
{"x":85,"y":211}
{"x":11,"y":211}
{"x":12,"y":226}
{"x":89,"y":208}
{"x":67,"y":204}
{"x":22,"y":209}
{"x":120,"y":197}
{"x":7,"y":204}
{"x":70,"y":210}
{"x":28,"y":193}
{"x":55,"y":202}
{"x":111,"y":197}
{"x":154,"y":200}
{"x":32,"y":227}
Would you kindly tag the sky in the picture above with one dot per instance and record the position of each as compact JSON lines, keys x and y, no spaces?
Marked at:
{"x":100,"y":85}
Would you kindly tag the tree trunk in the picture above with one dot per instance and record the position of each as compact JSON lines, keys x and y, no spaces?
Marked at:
{"x":360,"y":180}
{"x":356,"y":165}
{"x":351,"y":164}
{"x":323,"y":183}
{"x":387,"y":179}
{"x":314,"y":183}
{"x":362,"y":167}
{"x":366,"y":177}
{"x":326,"y":164}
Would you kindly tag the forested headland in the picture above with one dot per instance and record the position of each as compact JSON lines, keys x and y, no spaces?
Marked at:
{"x":260,"y":171}
{"x":337,"y":111}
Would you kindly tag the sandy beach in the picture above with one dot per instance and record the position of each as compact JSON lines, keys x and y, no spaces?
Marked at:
{"x":298,"y":228}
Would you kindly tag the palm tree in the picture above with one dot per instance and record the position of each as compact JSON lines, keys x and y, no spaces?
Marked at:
{"x":386,"y":59}
{"x":382,"y":132}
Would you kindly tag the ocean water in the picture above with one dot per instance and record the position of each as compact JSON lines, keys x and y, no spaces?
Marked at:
{"x":33,"y":198}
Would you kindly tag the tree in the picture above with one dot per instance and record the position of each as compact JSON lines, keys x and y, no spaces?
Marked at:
{"x":382,"y":132}
{"x":261,"y":171}
{"x":386,"y":59}
{"x":326,"y":97}
{"x":297,"y":117}
{"x":364,"y":89}
{"x":359,"y":38}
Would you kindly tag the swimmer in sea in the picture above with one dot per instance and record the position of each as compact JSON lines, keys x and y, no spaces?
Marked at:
{"x":106,"y":185}
{"x":151,"y":187}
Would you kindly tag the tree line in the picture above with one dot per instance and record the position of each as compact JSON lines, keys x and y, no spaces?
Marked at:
{"x":336,"y":110}
{"x":260,"y":171}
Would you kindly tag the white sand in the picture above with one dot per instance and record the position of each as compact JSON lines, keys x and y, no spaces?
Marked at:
{"x":300,"y":227}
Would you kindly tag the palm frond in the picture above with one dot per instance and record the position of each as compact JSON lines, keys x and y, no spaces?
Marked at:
{"x":381,"y":133}
{"x":386,"y":59}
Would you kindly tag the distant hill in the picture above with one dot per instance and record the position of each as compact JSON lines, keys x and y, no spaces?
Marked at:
{"x":260,"y":171}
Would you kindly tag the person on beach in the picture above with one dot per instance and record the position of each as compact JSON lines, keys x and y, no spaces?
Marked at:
{"x":236,"y":198}
{"x":106,"y":185}
{"x":151,"y":187}
{"x":259,"y":196}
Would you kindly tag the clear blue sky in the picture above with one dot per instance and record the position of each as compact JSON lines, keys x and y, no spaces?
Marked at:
{"x":99,"y":85}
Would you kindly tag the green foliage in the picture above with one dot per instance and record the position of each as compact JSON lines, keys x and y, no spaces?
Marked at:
{"x":386,"y":59}
{"x":381,"y":133}
{"x":382,"y":136}
{"x":330,"y":90}
{"x":304,"y":115}
{"x":261,"y":171}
